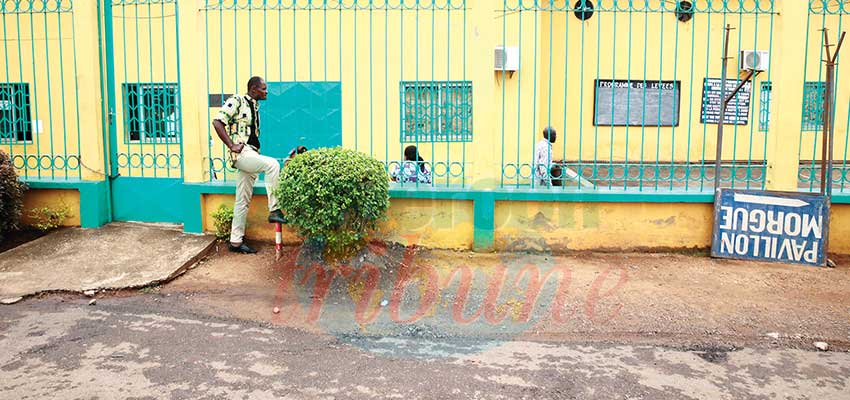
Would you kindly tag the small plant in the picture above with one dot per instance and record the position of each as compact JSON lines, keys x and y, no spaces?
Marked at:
{"x":46,"y":218}
{"x":334,"y":197}
{"x":11,"y":196}
{"x":150,"y":289}
{"x":223,"y":218}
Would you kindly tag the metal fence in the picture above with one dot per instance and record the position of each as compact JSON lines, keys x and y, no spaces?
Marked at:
{"x":832,"y":15}
{"x":148,"y":133}
{"x":626,"y":85}
{"x":388,"y":73}
{"x":39,"y":107}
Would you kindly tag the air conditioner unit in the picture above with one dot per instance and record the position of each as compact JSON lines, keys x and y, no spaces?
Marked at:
{"x":507,"y":58}
{"x":756,"y":60}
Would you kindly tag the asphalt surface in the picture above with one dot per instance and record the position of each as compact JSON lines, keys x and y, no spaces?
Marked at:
{"x":152,"y":345}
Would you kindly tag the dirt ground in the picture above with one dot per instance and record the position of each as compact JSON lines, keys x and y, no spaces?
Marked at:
{"x":19,"y":237}
{"x":677,"y":300}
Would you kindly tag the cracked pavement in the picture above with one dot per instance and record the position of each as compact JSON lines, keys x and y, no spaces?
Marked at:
{"x":151,"y":347}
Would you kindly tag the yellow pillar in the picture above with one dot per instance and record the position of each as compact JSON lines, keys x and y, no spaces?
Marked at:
{"x":783,"y":137}
{"x":484,"y":163}
{"x":88,"y":78}
{"x":193,"y":91}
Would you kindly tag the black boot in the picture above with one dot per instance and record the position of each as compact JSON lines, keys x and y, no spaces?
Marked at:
{"x":276,"y":217}
{"x":242,"y":248}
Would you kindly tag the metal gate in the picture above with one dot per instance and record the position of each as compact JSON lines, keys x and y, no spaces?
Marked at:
{"x":39,"y":91}
{"x":143,"y":94}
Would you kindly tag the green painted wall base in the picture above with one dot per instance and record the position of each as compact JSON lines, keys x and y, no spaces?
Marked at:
{"x":193,"y":221}
{"x":94,"y":204}
{"x":94,"y":199}
{"x":483,"y":224}
{"x":149,"y":200}
{"x":484,"y":201}
{"x":174,"y":201}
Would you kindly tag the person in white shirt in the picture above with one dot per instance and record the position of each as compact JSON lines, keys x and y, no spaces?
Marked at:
{"x":545,"y":168}
{"x":543,"y":157}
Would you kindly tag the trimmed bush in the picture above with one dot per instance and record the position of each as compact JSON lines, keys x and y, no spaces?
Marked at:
{"x":334,"y":196}
{"x":11,"y":196}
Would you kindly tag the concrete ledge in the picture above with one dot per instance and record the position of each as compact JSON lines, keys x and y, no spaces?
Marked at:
{"x":115,"y":256}
{"x":501,"y":194}
{"x":94,"y":198}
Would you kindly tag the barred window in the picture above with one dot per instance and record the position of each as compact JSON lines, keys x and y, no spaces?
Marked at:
{"x":436,"y":111}
{"x":764,"y":105}
{"x":15,"y":117}
{"x":151,"y":112}
{"x":813,"y":93}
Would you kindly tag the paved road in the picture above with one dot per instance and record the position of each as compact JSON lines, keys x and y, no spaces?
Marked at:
{"x":153,"y":346}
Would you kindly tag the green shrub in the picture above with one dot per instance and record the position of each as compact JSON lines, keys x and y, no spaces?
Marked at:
{"x":46,"y":218}
{"x":334,"y":196}
{"x":11,"y":195}
{"x":223,"y":219}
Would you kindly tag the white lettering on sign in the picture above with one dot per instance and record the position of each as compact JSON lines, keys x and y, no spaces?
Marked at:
{"x":792,"y":224}
{"x":758,"y":221}
{"x":775,"y":223}
{"x":725,"y":217}
{"x":789,"y":249}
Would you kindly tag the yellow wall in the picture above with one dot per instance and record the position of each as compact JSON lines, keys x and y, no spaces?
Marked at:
{"x":651,"y":46}
{"x":531,"y":226}
{"x":42,"y":56}
{"x":370,"y":70}
{"x":145,"y":47}
{"x":810,"y":143}
{"x":432,"y":223}
{"x":257,"y":228}
{"x":612,"y":226}
{"x":562,"y":56}
{"x":371,"y":51}
{"x":55,"y":199}
{"x":56,"y":55}
{"x":543,"y":226}
{"x":839,"y":229}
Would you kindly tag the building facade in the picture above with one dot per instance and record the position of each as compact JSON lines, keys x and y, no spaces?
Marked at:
{"x":107,"y":108}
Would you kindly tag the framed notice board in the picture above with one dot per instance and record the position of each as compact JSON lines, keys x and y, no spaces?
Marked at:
{"x":620,"y":102}
{"x":738,"y":109}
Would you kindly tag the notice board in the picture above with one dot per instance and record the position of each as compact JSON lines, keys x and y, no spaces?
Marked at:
{"x":738,"y":109}
{"x":620,"y":102}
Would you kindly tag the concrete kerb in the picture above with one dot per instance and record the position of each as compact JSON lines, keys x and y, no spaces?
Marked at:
{"x":115,"y":256}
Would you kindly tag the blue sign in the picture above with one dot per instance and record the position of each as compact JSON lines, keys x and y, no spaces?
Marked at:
{"x":770,"y":226}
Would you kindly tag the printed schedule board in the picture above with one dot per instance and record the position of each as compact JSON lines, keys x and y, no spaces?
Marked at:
{"x":738,"y":109}
{"x":619,"y":102}
{"x":770,"y":226}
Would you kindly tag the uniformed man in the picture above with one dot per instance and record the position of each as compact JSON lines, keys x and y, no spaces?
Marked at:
{"x":238,"y":126}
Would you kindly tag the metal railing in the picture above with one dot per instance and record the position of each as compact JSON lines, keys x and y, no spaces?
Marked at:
{"x":39,"y":92}
{"x":832,"y":15}
{"x":147,"y":71}
{"x":627,"y":85}
{"x":401,"y":63}
{"x":624,"y":84}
